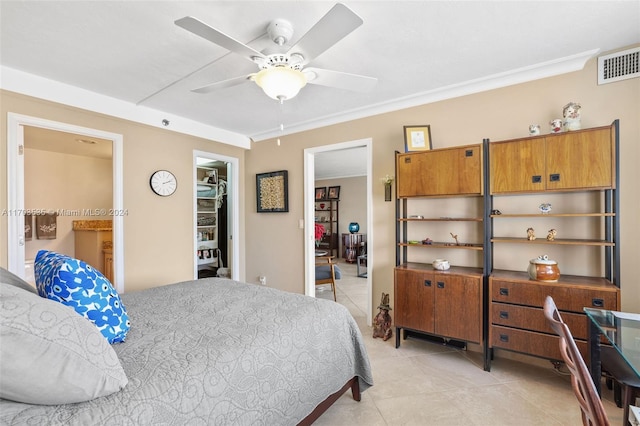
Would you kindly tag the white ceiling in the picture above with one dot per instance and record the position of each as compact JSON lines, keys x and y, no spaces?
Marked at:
{"x":132,"y":52}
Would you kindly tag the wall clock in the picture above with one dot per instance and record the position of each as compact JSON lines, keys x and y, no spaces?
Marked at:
{"x":163,"y":183}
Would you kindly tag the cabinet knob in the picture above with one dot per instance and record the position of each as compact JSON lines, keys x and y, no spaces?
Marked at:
{"x":554,"y":177}
{"x":468,"y":153}
{"x":536,"y":179}
{"x":504,"y":291}
{"x":504,"y":315}
{"x":504,"y":338}
{"x":427,"y":283}
{"x":440,"y":284}
{"x":597,"y":302}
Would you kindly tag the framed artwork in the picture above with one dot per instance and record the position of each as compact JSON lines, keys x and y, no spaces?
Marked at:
{"x":321,"y":193}
{"x":334,"y":192}
{"x":272,"y":192}
{"x":417,"y":138}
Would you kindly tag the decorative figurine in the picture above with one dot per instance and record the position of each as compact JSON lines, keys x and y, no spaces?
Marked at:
{"x":545,"y":208}
{"x":455,"y":237}
{"x":382,"y":321}
{"x":531,"y":234}
{"x":534,"y":129}
{"x":571,"y":115}
{"x":552,"y":235}
{"x":427,"y":241}
{"x":496,"y":212}
{"x":556,"y":125}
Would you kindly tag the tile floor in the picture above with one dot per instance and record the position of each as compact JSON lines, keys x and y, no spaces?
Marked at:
{"x":424,"y":383}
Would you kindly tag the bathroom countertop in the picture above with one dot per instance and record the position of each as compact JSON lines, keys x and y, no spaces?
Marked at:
{"x":92,"y":225}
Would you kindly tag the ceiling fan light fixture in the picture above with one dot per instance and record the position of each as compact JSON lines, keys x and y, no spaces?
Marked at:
{"x":280,"y":83}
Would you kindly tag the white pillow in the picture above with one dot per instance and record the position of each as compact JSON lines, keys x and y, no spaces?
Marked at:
{"x":50,"y":354}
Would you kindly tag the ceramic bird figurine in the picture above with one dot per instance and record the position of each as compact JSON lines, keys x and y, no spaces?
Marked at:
{"x":545,"y":208}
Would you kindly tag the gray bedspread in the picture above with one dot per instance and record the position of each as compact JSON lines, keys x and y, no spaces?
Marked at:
{"x":220,"y":352}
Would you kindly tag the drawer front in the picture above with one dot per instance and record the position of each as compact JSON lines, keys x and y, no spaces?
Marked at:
{"x":533,"y":319}
{"x":531,"y":342}
{"x":567,"y":297}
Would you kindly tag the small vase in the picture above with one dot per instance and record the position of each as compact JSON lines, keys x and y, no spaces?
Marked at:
{"x":354,"y":227}
{"x":387,"y":192}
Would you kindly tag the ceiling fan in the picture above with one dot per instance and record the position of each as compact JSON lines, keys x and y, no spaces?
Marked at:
{"x":283,"y":72}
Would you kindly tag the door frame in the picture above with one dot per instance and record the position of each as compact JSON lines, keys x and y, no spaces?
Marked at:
{"x":309,"y":213}
{"x":15,"y":189}
{"x":233,"y":197}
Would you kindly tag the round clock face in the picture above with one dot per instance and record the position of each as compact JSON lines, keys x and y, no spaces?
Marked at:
{"x":163,"y":183}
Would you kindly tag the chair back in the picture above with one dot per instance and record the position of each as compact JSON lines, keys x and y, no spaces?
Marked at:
{"x":593,"y":412}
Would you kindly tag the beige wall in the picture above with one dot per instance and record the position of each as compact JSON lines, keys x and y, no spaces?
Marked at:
{"x":498,"y":114}
{"x":158,"y":231}
{"x":55,"y":181}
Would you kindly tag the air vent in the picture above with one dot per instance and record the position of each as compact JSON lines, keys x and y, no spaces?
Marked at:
{"x":619,"y":66}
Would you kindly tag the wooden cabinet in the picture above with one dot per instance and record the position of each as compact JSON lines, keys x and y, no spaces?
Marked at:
{"x":447,"y":304}
{"x":327,"y":214}
{"x":573,"y":162}
{"x":517,"y":320}
{"x":577,"y":160}
{"x":448,"y":171}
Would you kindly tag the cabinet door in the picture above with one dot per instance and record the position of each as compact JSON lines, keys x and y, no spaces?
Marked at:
{"x":458,"y":301}
{"x":412,"y":174}
{"x":453,"y":171}
{"x":414,"y":300}
{"x":580,"y":159}
{"x":517,"y":166}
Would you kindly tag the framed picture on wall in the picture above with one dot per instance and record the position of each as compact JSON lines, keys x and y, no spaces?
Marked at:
{"x":272,"y":192}
{"x":334,"y":193}
{"x":321,"y":193}
{"x":417,"y":138}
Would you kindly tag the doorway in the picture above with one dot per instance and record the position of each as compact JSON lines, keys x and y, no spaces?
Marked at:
{"x":309,"y":213}
{"x":16,"y":243}
{"x":216,"y":214}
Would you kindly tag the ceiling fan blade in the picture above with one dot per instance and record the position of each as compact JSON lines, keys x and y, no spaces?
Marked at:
{"x":203,"y":30}
{"x":223,"y":84}
{"x":329,"y":30}
{"x":340,"y":80}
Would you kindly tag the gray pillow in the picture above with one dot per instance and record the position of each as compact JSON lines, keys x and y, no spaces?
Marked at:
{"x":10,"y":278}
{"x":50,"y":354}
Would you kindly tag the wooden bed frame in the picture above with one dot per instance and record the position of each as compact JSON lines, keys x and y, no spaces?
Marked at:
{"x":354,"y":384}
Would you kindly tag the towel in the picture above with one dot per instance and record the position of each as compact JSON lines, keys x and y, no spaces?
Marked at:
{"x":28,"y":227}
{"x":46,"y":225}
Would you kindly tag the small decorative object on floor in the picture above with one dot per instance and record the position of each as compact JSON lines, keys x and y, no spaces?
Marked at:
{"x":354,"y":227}
{"x":556,"y":125}
{"x":551,"y":236}
{"x":534,"y":129}
{"x":531,"y":234}
{"x":382,"y":321}
{"x":455,"y":237}
{"x":571,"y":115}
{"x":545,"y":208}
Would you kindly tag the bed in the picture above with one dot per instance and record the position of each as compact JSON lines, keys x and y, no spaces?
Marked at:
{"x":217,"y":352}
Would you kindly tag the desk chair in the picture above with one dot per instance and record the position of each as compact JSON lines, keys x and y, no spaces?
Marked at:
{"x":593,"y":413}
{"x":327,"y":272}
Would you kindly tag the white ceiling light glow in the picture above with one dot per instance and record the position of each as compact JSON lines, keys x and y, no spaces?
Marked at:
{"x":280,"y":83}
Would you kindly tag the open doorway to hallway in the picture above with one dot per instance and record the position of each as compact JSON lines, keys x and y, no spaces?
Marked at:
{"x":337,"y":198}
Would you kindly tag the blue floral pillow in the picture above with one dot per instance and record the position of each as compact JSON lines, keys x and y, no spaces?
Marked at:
{"x":74,"y":283}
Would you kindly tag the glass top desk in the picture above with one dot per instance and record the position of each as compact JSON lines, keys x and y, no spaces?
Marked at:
{"x":622,"y":330}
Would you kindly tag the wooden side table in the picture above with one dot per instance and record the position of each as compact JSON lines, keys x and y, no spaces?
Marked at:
{"x":353,"y":246}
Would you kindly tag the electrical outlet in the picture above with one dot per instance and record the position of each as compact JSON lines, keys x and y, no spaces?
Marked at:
{"x":263,"y":280}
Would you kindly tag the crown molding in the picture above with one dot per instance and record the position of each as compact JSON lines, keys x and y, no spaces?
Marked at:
{"x":495,"y":81}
